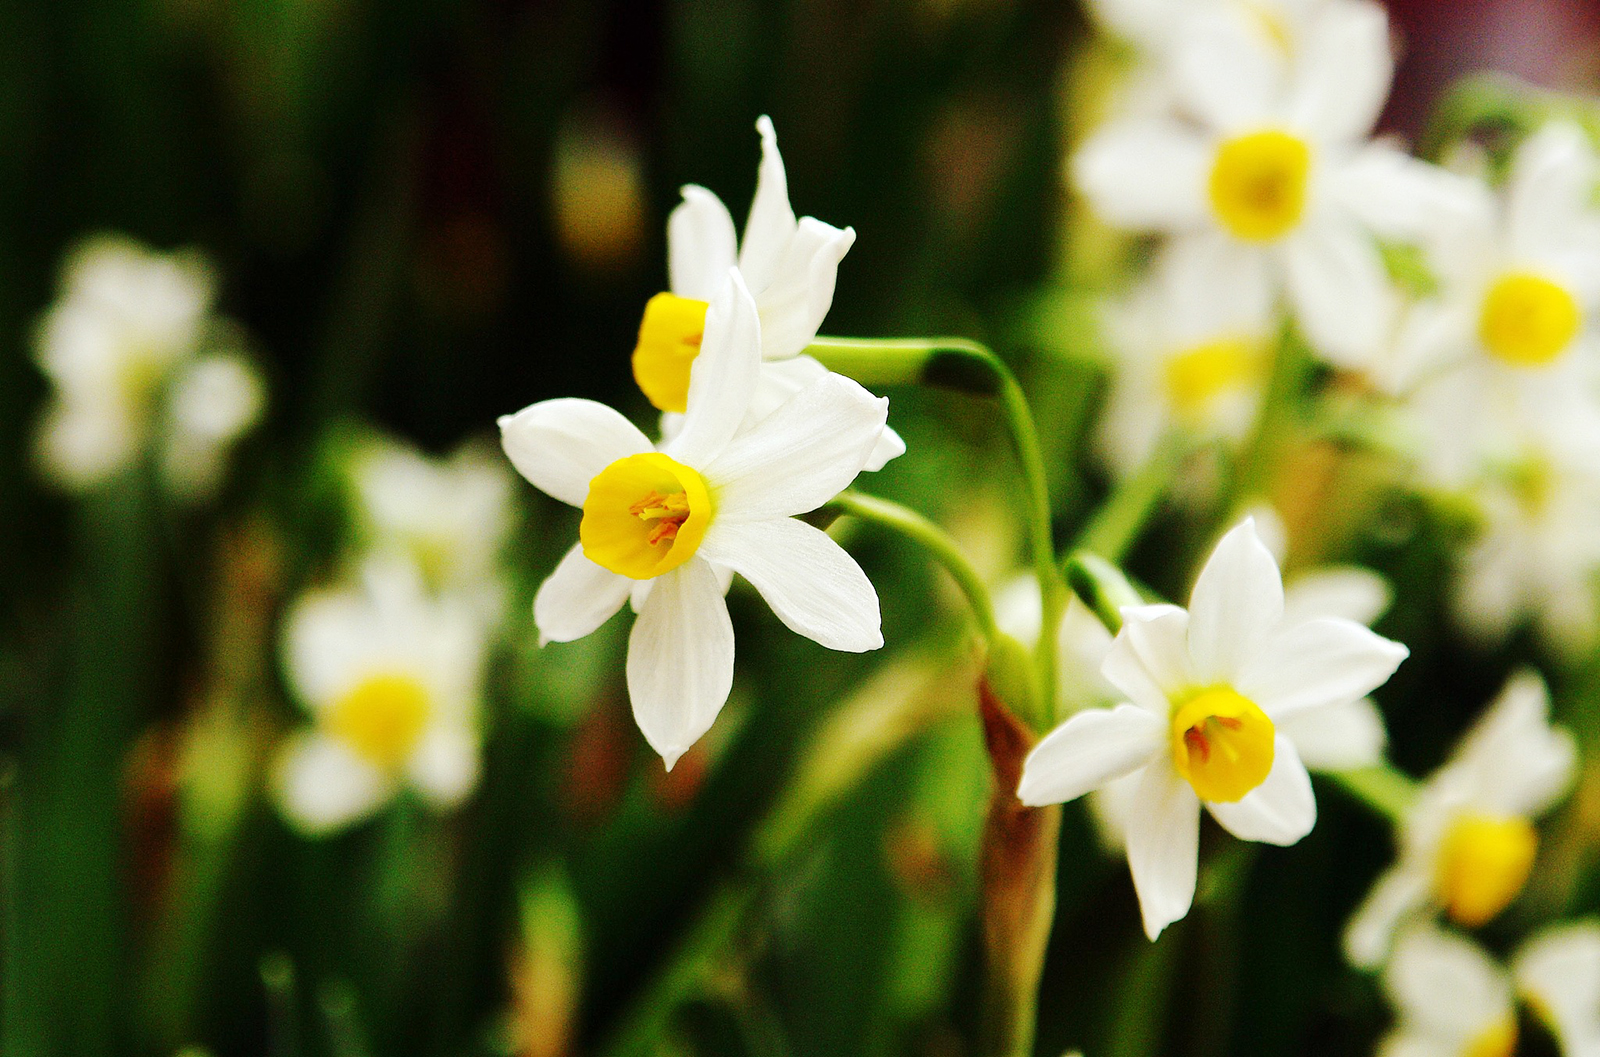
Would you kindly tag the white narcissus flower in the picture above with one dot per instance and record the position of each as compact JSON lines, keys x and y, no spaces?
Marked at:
{"x":1453,"y":1000}
{"x":123,"y":347}
{"x":1274,"y":186}
{"x":391,"y":678}
{"x":1519,"y":284}
{"x":1210,"y":689}
{"x":1188,"y":356}
{"x":718,"y":495}
{"x":1468,"y":844}
{"x":790,"y":267}
{"x":450,"y":515}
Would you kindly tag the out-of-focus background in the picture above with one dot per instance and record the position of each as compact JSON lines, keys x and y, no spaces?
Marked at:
{"x":425,"y":215}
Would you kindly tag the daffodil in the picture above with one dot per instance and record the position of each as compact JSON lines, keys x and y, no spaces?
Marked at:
{"x":1453,"y":1000}
{"x":1188,"y":357}
{"x":790,"y":266}
{"x":451,"y":516}
{"x":391,"y":677}
{"x":1468,"y":844}
{"x":132,"y":352}
{"x":1265,"y":178}
{"x":1210,"y":692}
{"x":716,"y":495}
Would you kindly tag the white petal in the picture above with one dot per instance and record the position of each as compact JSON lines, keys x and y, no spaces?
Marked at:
{"x":1445,"y":984}
{"x":1146,"y":174}
{"x":890,"y":446}
{"x":444,"y":766}
{"x":1149,"y":658}
{"x":559,"y":445}
{"x":1342,"y":72}
{"x":701,"y":245}
{"x":1397,"y":893}
{"x":1236,"y":604}
{"x":1327,"y":661}
{"x":1340,"y":290}
{"x":1227,"y":71}
{"x":793,"y":304}
{"x":723,"y":380}
{"x":813,"y":586}
{"x":321,"y":785}
{"x":1163,"y":845}
{"x":800,"y":456}
{"x":680,"y":659}
{"x":1401,"y":197}
{"x":1281,"y":809}
{"x":1088,"y":751}
{"x":1518,"y":763}
{"x":1561,"y":968}
{"x":1339,"y":737}
{"x":327,"y":644}
{"x":577,"y":598}
{"x":1347,"y":591}
{"x":771,"y":224}
{"x":1549,"y":188}
{"x":1215,"y":285}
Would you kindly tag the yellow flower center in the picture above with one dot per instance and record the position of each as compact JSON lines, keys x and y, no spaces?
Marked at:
{"x":1197,"y":376}
{"x":645,"y":515}
{"x":1498,"y":1040}
{"x":669,"y":340}
{"x":1483,"y":863}
{"x":1528,"y":320}
{"x":381,"y":719}
{"x":1223,"y":744}
{"x":1258,"y":184}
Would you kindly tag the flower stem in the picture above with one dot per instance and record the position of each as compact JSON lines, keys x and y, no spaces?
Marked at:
{"x":933,"y":539}
{"x":1120,"y":519}
{"x":1384,"y":788}
{"x":970,"y":367}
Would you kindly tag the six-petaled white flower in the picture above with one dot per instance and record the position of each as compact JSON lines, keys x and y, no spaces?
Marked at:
{"x":391,"y":678}
{"x":1209,"y":688}
{"x":713,"y":496}
{"x":1453,"y":1000}
{"x":1468,"y":844}
{"x":790,"y":266}
{"x":1266,"y":180}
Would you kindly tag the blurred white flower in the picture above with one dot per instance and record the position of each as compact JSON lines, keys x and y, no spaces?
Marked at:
{"x":1453,"y":1000}
{"x":391,"y":677}
{"x":1213,"y":689}
{"x":658,"y":524}
{"x":1189,"y":356}
{"x":123,"y":348}
{"x":1267,"y":181}
{"x":451,"y":516}
{"x":1468,"y":844}
{"x":790,"y":267}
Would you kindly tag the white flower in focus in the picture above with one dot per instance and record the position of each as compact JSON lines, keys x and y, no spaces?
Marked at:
{"x":1453,"y":1000}
{"x":1273,"y":185}
{"x":1468,"y":844}
{"x":789,"y":266}
{"x":451,"y":516}
{"x":1209,"y":688}
{"x":1189,"y":356}
{"x":391,"y":678}
{"x":122,"y":348}
{"x":717,"y":495}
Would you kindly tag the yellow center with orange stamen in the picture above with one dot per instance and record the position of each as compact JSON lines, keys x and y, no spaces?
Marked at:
{"x":1527,"y":320}
{"x":669,"y":340}
{"x":1258,"y":184}
{"x":1483,"y":863}
{"x":1222,"y":744}
{"x":382,"y":719}
{"x":645,"y":515}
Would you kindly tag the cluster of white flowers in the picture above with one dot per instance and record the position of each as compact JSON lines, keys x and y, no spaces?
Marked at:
{"x":140,"y":367}
{"x":753,"y":434}
{"x":390,"y":664}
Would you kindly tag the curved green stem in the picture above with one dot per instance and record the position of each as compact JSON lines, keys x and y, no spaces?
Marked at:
{"x":1384,"y":788}
{"x":970,"y":367}
{"x":933,"y":539}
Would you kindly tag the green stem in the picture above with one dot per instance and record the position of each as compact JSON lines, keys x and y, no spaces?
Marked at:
{"x":1385,"y":789}
{"x":970,"y":367}
{"x":1120,"y":519}
{"x":933,"y":539}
